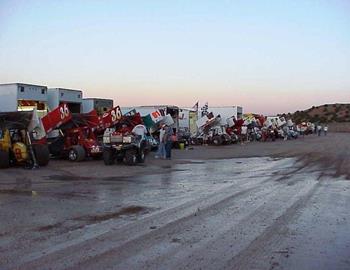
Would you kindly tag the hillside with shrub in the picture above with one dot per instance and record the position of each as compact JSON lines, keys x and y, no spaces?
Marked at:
{"x":328,"y":113}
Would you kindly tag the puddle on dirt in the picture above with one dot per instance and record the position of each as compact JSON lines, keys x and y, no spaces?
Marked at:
{"x":195,"y":162}
{"x":92,"y":219}
{"x":69,"y":195}
{"x":126,"y":211}
{"x":180,"y":170}
{"x":115,"y":178}
{"x":60,"y":227}
{"x":176,"y":240}
{"x":139,"y":179}
{"x":18,"y":192}
{"x":49,"y":227}
{"x":63,"y":177}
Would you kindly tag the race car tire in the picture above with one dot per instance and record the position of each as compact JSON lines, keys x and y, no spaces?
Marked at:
{"x":4,"y":159}
{"x":108,"y":158}
{"x":42,"y":154}
{"x":141,"y":156}
{"x":76,"y":153}
{"x":130,"y":157}
{"x":217,"y":140}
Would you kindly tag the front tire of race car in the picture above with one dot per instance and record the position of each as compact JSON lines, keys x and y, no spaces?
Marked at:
{"x":108,"y":156}
{"x":141,"y":156}
{"x":217,"y":140}
{"x":4,"y":159}
{"x":42,"y":154}
{"x":130,"y":157}
{"x":76,"y":153}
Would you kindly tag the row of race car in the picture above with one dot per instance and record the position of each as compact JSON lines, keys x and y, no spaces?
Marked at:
{"x":251,"y":127}
{"x":31,"y":141}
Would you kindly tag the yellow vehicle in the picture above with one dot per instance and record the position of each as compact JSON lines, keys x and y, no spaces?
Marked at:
{"x":17,"y":143}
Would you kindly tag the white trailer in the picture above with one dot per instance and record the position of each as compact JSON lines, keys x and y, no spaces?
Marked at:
{"x":23,"y":97}
{"x":172,"y":110}
{"x":73,"y":98}
{"x":275,"y":120}
{"x":226,"y":112}
{"x":99,"y":104}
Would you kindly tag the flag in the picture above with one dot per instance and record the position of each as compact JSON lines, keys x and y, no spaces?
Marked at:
{"x":195,"y":106}
{"x":204,"y":109}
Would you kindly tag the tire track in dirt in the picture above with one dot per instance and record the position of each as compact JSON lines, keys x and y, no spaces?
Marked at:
{"x":267,"y":243}
{"x":39,"y":246}
{"x":159,"y":246}
{"x":224,"y":244}
{"x":166,"y":217}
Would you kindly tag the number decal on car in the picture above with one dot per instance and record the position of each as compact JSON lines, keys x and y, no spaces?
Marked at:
{"x":64,"y":111}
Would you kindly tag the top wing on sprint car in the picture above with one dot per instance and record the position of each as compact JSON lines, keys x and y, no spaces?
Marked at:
{"x":56,"y":118}
{"x":110,"y":118}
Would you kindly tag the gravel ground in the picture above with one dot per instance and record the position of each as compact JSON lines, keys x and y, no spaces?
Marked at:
{"x":331,"y":151}
{"x":276,"y":205}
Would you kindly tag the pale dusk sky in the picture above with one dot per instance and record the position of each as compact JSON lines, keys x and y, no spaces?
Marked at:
{"x":267,"y":56}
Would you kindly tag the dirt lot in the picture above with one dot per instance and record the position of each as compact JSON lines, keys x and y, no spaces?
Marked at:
{"x":331,"y":152}
{"x":279,"y":205}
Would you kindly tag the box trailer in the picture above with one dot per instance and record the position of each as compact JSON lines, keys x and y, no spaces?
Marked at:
{"x":73,"y":99}
{"x":227,"y":112}
{"x":23,"y":97}
{"x":172,"y":110}
{"x":99,"y":104}
{"x":275,"y":120}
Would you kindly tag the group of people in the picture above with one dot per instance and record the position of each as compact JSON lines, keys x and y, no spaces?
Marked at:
{"x":319,"y":129}
{"x":166,"y":138}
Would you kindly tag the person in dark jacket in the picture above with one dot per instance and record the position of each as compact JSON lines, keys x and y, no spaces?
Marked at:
{"x":168,"y":138}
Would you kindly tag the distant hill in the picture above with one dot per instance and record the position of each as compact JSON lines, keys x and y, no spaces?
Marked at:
{"x":328,"y":113}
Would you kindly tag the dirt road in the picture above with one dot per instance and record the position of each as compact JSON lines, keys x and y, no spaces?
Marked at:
{"x":202,"y":210}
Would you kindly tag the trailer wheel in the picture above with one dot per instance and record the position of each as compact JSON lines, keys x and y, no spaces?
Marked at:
{"x":4,"y":159}
{"x":42,"y":154}
{"x":217,"y":140}
{"x":141,"y":156}
{"x":76,"y":153}
{"x":130,"y":157}
{"x":108,"y":158}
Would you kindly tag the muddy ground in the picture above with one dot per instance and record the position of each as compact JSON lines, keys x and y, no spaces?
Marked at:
{"x":278,"y":205}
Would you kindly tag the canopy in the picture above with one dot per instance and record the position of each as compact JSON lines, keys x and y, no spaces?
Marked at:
{"x":16,"y":120}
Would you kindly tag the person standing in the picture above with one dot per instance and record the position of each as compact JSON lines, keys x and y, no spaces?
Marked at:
{"x":303,"y":130}
{"x":161,"y":147}
{"x":168,"y":138}
{"x":205,"y":139}
{"x":325,"y":130}
{"x":319,"y":129}
{"x":244,"y":131}
{"x":286,"y":133}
